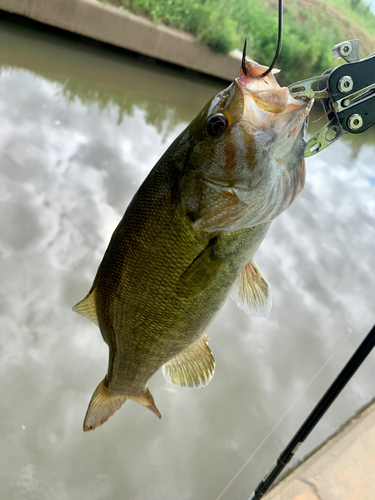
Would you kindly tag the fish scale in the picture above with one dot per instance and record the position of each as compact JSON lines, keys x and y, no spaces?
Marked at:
{"x":189,"y":237}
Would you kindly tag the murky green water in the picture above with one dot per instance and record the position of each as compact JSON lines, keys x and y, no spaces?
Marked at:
{"x":80,"y":127}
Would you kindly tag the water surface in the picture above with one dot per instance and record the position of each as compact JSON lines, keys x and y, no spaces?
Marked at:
{"x":81,"y":126}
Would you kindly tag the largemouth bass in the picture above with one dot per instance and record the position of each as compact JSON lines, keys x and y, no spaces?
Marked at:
{"x":189,"y":236}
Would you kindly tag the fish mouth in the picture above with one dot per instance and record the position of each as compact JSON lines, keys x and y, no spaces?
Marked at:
{"x":301,"y":101}
{"x":269,"y":104}
{"x":302,"y":98}
{"x":301,"y":113}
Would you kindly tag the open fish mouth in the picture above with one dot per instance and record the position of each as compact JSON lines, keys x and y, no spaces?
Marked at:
{"x":300,"y":101}
{"x":302,"y":98}
{"x":304,"y":115}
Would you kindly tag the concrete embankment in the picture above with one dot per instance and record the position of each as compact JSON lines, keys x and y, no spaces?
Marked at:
{"x":342,"y":469}
{"x":123,"y":29}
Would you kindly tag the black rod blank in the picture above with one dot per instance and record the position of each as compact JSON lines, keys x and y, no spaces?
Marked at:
{"x":334,"y":390}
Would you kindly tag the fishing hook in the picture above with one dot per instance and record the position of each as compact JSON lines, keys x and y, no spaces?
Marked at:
{"x":244,"y":58}
{"x":279,"y":43}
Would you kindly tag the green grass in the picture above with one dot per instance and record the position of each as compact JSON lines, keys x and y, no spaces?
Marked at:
{"x":310,"y":29}
{"x":358,"y":11}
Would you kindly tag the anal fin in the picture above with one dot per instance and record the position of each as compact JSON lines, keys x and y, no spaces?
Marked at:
{"x":251,"y":291}
{"x":193,"y":367}
{"x":87,"y":307}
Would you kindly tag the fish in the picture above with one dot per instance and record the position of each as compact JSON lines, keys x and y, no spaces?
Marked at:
{"x":188,"y":239}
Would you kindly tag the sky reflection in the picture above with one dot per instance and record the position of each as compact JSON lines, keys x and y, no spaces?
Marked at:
{"x":69,"y":168}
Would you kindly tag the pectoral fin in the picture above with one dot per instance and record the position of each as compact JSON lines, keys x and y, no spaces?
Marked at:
{"x":87,"y":307}
{"x":251,"y":291}
{"x":194,"y":367}
{"x":201,"y":271}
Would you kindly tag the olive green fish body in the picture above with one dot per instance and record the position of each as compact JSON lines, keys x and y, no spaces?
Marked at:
{"x":165,"y":305}
{"x":188,"y":239}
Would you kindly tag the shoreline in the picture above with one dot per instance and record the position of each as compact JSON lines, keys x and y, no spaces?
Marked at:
{"x":341,"y":467}
{"x":121,"y":28}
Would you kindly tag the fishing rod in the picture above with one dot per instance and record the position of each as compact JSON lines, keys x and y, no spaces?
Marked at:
{"x":317,"y":413}
{"x":347,"y":94}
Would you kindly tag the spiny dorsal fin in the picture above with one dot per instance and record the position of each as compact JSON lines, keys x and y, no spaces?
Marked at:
{"x":194,"y":367}
{"x":251,"y":291}
{"x":87,"y":307}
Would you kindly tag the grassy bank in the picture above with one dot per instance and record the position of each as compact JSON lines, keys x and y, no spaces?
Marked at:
{"x":311,"y":27}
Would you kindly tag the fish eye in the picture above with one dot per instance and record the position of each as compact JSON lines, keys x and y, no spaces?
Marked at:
{"x":216,"y":124}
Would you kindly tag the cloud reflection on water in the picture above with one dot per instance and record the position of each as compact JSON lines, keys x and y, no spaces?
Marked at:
{"x":68,"y":171}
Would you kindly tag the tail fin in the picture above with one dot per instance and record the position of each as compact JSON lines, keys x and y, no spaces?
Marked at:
{"x":103,"y":405}
{"x":105,"y":402}
{"x":148,"y":401}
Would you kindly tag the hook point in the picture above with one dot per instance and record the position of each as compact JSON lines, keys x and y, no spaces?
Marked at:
{"x":244,"y":52}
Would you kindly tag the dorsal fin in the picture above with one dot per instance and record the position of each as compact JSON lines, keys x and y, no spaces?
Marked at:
{"x":87,"y":307}
{"x":251,"y":291}
{"x":193,"y":367}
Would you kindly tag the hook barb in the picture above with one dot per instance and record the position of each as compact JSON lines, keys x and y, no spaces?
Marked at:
{"x":244,"y":52}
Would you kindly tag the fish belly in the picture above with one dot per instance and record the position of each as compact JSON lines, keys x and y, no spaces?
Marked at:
{"x":160,"y":283}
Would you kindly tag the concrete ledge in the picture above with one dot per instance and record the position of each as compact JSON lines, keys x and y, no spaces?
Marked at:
{"x":121,"y":28}
{"x":342,"y":469}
